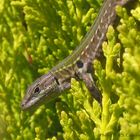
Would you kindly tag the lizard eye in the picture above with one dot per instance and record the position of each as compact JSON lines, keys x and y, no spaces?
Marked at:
{"x":37,"y":90}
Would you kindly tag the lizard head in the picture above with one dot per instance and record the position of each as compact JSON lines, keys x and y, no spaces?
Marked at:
{"x":43,"y":88}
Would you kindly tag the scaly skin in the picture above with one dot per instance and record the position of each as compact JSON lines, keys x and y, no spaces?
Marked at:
{"x":78,"y":65}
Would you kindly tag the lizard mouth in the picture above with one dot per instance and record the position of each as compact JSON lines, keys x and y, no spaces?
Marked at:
{"x":27,"y":104}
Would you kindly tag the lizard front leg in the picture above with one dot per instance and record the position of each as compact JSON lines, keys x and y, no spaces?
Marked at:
{"x":90,"y":84}
{"x":85,"y":73}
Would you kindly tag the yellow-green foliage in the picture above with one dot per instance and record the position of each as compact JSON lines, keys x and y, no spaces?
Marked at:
{"x":37,"y":34}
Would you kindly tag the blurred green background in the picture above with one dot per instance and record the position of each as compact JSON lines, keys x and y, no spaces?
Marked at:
{"x":37,"y":34}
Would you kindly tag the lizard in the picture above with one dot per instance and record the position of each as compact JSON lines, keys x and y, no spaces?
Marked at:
{"x":78,"y":64}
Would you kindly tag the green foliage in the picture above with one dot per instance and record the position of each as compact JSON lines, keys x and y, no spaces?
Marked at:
{"x":37,"y":34}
